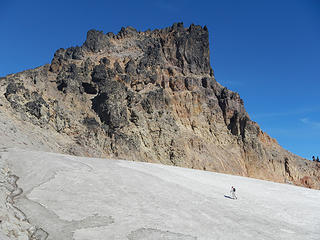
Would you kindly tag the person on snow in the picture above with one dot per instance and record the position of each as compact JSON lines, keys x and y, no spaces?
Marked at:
{"x":233,"y":193}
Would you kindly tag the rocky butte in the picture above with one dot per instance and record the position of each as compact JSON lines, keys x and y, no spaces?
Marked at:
{"x":144,"y":96}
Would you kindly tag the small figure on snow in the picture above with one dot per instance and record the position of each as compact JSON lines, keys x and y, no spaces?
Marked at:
{"x":233,"y":193}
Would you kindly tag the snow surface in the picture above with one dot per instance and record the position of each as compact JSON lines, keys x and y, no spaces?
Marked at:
{"x":86,"y":198}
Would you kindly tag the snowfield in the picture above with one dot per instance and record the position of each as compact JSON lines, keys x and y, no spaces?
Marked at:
{"x":87,"y":198}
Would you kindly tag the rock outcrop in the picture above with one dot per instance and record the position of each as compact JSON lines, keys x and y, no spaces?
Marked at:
{"x":150,"y":96}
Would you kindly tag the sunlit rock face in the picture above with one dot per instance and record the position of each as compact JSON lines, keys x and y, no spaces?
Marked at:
{"x":145,"y":96}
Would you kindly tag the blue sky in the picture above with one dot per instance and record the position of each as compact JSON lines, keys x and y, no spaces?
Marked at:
{"x":267,"y":51}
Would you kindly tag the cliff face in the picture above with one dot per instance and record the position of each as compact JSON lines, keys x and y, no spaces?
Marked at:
{"x":149,"y":96}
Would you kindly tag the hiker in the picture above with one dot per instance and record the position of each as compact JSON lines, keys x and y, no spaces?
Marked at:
{"x":317,"y":159}
{"x":313,"y":158}
{"x":233,"y":193}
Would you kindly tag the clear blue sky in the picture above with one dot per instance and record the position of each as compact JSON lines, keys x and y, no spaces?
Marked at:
{"x":267,"y":51}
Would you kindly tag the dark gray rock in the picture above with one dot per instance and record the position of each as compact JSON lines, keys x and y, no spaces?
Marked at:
{"x":34,"y":108}
{"x":105,"y":61}
{"x":89,"y":88}
{"x":76,"y":53}
{"x":187,"y":48}
{"x":127,"y":32}
{"x":63,"y":55}
{"x":38,"y":107}
{"x":90,"y":122}
{"x":126,"y":78}
{"x":96,"y":41}
{"x":62,"y":85}
{"x":205,"y":82}
{"x":110,"y":105}
{"x":112,"y":114}
{"x":12,"y":88}
{"x":73,"y":53}
{"x":117,"y":67}
{"x":70,"y":78}
{"x":131,"y":67}
{"x":111,"y":73}
{"x":99,"y":73}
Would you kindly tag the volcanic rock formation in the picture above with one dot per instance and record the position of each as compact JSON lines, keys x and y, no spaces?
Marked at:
{"x":147,"y":96}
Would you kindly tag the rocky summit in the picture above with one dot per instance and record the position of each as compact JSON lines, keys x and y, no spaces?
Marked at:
{"x":144,"y":96}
